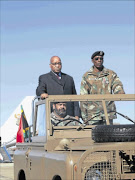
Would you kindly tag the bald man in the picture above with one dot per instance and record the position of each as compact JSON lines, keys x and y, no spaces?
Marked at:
{"x":57,"y":83}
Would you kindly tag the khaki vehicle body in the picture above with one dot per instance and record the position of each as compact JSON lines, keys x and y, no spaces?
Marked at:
{"x":69,"y":153}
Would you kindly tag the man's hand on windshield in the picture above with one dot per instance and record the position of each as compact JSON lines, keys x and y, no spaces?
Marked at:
{"x":76,"y":117}
{"x":44,"y":96}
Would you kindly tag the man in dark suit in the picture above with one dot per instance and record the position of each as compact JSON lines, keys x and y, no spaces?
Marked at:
{"x":57,"y":83}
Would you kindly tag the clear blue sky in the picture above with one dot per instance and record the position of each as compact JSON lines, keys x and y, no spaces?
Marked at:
{"x":33,"y":31}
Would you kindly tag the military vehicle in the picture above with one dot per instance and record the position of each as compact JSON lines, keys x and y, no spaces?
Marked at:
{"x":77,"y":152}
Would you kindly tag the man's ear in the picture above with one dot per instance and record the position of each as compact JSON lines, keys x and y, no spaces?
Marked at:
{"x":50,"y":66}
{"x":53,"y":106}
{"x":92,"y":61}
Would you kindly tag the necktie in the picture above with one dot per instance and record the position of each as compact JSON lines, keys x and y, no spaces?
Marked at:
{"x":58,"y":76}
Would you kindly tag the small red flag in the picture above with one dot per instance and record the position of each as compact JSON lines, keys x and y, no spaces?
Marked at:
{"x":19,"y":137}
{"x":23,"y":130}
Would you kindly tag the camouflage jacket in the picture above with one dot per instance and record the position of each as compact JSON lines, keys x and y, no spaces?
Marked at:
{"x":105,"y":82}
{"x":55,"y":120}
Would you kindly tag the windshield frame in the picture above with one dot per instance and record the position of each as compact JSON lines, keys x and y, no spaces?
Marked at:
{"x":83,"y":98}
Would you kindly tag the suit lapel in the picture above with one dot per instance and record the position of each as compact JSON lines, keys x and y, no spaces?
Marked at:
{"x":63,"y":79}
{"x":59,"y":81}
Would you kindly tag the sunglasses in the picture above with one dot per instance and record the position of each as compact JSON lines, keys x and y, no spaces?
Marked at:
{"x":54,"y":64}
{"x":101,"y":58}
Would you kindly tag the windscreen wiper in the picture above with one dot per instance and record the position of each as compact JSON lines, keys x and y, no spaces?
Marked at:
{"x":85,"y":123}
{"x":126,"y":117}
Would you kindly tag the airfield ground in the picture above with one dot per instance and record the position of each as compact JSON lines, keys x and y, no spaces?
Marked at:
{"x":6,"y":171}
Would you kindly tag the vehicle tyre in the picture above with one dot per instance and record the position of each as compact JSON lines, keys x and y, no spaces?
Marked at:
{"x":113,"y":133}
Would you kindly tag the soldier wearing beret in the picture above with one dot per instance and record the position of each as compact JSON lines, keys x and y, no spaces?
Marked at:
{"x":99,"y":80}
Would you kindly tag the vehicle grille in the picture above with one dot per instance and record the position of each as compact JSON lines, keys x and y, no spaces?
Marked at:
{"x":127,"y":166}
{"x":99,"y":165}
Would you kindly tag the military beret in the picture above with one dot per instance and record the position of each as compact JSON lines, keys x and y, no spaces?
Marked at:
{"x":97,"y":53}
{"x":58,"y":102}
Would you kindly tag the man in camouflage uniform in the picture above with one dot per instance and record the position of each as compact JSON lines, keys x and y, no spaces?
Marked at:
{"x":59,"y":116}
{"x":99,"y":80}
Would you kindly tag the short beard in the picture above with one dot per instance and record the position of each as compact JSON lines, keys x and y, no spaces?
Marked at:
{"x":61,"y":113}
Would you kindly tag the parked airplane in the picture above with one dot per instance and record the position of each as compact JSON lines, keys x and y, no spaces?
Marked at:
{"x":10,"y":127}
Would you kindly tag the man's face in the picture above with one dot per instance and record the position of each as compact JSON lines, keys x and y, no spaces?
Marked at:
{"x":98,"y":61}
{"x":60,"y":109}
{"x":55,"y":64}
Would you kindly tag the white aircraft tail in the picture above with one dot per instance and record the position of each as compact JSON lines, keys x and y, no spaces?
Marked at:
{"x":10,"y":127}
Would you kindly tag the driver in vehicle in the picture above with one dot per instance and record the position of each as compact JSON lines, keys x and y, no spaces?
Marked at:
{"x":59,"y":115}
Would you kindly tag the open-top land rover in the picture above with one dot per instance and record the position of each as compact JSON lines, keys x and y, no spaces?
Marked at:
{"x":79,"y":152}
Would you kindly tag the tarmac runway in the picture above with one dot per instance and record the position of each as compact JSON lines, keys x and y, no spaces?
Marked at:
{"x":6,"y":171}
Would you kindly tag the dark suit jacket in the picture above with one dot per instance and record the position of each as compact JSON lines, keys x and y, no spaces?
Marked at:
{"x":50,"y":84}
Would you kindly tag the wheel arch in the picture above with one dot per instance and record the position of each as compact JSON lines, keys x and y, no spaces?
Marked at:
{"x":57,"y":177}
{"x":21,"y":175}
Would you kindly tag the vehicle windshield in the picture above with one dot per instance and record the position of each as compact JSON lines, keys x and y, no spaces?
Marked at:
{"x":80,"y":111}
{"x":91,"y":112}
